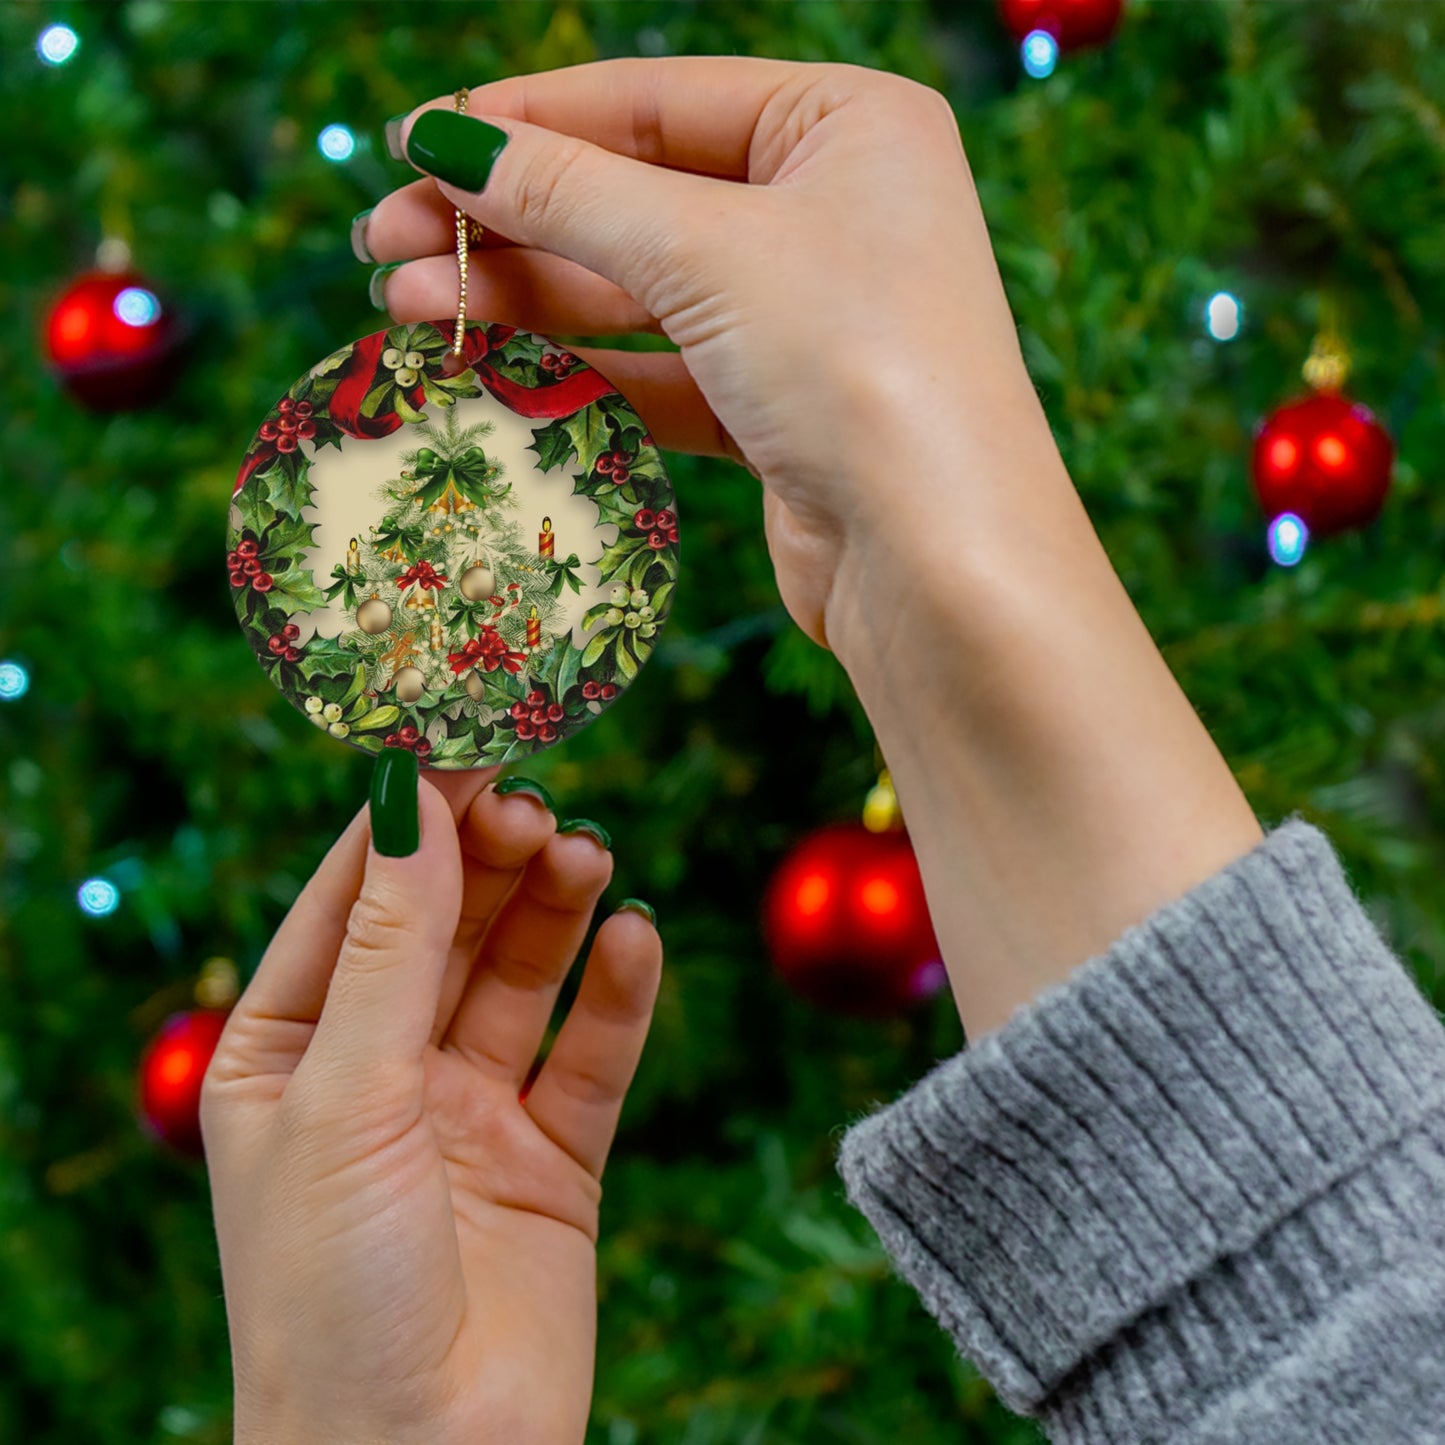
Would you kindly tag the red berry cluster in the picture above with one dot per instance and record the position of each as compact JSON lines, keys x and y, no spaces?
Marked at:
{"x":662,"y":525}
{"x":614,"y":465}
{"x":559,"y":363}
{"x":409,"y":738}
{"x":246,"y":570}
{"x":283,"y":643}
{"x":599,"y":692}
{"x":295,"y":425}
{"x":536,"y":716}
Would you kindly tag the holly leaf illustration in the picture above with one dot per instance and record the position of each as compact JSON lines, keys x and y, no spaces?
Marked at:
{"x":622,"y":555}
{"x":568,"y":666}
{"x":325,"y":657}
{"x":296,"y":590}
{"x":630,"y":427}
{"x":256,"y":512}
{"x":287,"y":488}
{"x":289,"y":538}
{"x":589,"y":433}
{"x":553,"y":445}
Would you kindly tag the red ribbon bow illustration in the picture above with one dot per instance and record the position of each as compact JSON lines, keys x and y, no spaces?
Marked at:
{"x":488,"y":652}
{"x":423,"y":575}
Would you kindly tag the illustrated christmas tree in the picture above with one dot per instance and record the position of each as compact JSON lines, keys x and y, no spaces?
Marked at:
{"x":448,"y":559}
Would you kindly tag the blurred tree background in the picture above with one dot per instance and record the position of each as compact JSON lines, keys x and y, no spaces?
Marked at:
{"x":1287,"y":153}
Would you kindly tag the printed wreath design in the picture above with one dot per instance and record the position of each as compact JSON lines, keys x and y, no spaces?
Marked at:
{"x":466,"y":665}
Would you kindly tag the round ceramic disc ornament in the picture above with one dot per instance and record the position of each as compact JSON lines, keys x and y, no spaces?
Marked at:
{"x":470,"y":562}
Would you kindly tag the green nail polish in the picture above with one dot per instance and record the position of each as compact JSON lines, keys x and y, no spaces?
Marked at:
{"x":395,"y":824}
{"x":376,"y":289}
{"x":586,"y":825}
{"x":392,"y":132}
{"x":636,"y":905}
{"x":358,"y":237}
{"x":455,"y":148}
{"x":525,"y":785}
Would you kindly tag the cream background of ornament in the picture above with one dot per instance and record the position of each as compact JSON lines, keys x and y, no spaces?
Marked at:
{"x":346,"y":505}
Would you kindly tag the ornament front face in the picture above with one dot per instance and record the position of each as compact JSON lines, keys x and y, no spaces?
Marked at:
{"x":472,"y":566}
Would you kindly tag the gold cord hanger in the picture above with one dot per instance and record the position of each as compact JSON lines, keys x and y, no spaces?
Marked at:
{"x":469,"y":232}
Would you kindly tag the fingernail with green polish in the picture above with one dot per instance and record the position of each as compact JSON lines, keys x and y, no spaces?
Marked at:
{"x":395,"y":824}
{"x":392,"y":132}
{"x":358,"y":237}
{"x":376,"y":288}
{"x":525,"y":785}
{"x":636,"y":905}
{"x":586,"y":825}
{"x":455,"y":148}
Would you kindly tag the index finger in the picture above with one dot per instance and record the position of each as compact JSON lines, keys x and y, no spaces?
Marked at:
{"x":696,"y":113}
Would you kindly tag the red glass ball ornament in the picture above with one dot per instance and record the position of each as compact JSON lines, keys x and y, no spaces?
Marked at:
{"x":1324,"y":458}
{"x":111,"y":340}
{"x":847,"y":923}
{"x":1073,"y":23}
{"x":171,"y":1071}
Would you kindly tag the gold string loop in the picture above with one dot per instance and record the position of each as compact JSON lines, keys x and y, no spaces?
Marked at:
{"x":469,"y":232}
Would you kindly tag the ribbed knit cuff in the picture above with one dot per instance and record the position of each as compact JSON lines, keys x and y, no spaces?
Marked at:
{"x":1103,"y":1198}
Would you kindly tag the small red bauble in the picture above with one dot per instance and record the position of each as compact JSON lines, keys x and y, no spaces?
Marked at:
{"x":1324,"y":458}
{"x":111,"y":341}
{"x":847,"y":923}
{"x":171,"y":1071}
{"x":1073,"y":23}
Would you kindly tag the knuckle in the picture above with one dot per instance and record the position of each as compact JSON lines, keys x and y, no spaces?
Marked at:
{"x":374,"y":935}
{"x":542,"y":188}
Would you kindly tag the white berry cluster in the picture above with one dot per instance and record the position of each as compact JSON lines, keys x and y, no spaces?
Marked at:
{"x":327,"y":715}
{"x":632,"y":610}
{"x":407,"y":365}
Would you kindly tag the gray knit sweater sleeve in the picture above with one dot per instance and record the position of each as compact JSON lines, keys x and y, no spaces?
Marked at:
{"x":1196,"y":1192}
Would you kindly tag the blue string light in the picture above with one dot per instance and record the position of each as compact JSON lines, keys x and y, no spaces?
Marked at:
{"x":1223,"y":316}
{"x":1288,"y":537}
{"x":57,"y":44}
{"x":14,"y":681}
{"x":336,"y":143}
{"x":1040,"y":53}
{"x":98,"y":897}
{"x":137,"y":307}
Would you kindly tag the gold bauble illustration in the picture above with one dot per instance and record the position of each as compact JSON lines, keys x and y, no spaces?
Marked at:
{"x":410,"y":683}
{"x":373,"y":615}
{"x":477,"y":582}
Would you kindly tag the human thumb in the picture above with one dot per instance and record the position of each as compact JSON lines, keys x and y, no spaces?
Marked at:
{"x":623,"y":219}
{"x":382,"y":999}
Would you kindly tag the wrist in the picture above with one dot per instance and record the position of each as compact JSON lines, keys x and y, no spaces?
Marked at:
{"x":1057,"y":784}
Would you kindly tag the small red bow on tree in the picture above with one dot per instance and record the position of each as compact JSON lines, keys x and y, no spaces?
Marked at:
{"x":422,"y":574}
{"x":488,"y":652}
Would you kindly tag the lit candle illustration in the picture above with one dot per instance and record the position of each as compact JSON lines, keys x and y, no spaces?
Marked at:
{"x":547,"y":542}
{"x":353,"y":556}
{"x":534,"y":629}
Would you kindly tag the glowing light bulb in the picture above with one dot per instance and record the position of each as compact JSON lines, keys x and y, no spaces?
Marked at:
{"x":336,"y":143}
{"x":57,"y":44}
{"x":1223,"y":316}
{"x":1040,"y":54}
{"x":136,"y":306}
{"x":14,"y":681}
{"x":98,"y":897}
{"x":1288,"y":537}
